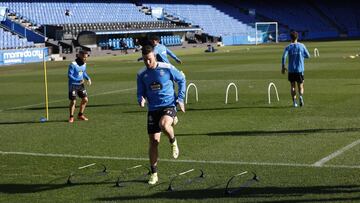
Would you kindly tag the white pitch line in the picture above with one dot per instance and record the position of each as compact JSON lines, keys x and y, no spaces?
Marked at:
{"x":87,"y":166}
{"x":176,"y":161}
{"x":61,"y":100}
{"x":185,"y":172}
{"x":322,"y":161}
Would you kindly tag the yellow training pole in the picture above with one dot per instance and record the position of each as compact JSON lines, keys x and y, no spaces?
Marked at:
{"x":46,"y":87}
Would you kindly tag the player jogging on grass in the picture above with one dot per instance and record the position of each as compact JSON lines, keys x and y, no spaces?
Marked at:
{"x":77,"y":76}
{"x":296,"y":52}
{"x":155,"y":83}
{"x":161,"y":53}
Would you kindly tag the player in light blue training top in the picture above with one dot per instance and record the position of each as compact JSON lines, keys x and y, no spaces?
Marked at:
{"x":77,"y":76}
{"x":161,"y":51}
{"x":155,"y":84}
{"x":296,"y":52}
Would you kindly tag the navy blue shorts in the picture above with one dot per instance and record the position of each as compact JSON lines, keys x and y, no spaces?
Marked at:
{"x":77,"y":90}
{"x":155,"y":116}
{"x":296,"y":77}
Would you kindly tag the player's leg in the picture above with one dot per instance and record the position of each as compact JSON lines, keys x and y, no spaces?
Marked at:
{"x":293,"y":92}
{"x":83,"y":104}
{"x":165,"y":123}
{"x":72,"y":98}
{"x":72,"y":110}
{"x":292,"y":80}
{"x":84,"y":101}
{"x":300,"y":83}
{"x":154,"y":140}
{"x":301,"y":92}
{"x":154,"y":132}
{"x":166,"y":126}
{"x":176,"y":120}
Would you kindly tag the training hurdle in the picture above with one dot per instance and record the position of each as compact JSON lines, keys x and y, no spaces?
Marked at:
{"x":269,"y":91}
{"x":187,"y":92}
{"x":316,"y":52}
{"x":227,"y":92}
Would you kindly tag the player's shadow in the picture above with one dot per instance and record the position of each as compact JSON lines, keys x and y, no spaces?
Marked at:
{"x":273,"y":194}
{"x":275,"y":132}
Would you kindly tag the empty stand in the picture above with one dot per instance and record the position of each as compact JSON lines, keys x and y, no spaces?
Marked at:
{"x":13,"y":41}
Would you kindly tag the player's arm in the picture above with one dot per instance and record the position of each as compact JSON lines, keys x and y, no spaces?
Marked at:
{"x":283,"y":61}
{"x":86,"y":76}
{"x":179,"y":78}
{"x":140,"y":92}
{"x":306,"y":52}
{"x":170,"y":53}
{"x":71,"y":74}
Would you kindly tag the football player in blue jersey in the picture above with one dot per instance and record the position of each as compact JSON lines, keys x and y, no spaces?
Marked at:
{"x":297,"y":52}
{"x":161,"y":51}
{"x":77,"y":76}
{"x":155,"y":85}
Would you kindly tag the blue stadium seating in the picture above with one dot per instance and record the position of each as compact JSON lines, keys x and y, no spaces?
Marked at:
{"x":208,"y":17}
{"x":314,"y":19}
{"x":171,"y":40}
{"x":52,"y":13}
{"x":345,"y":14}
{"x":114,"y":43}
{"x":220,"y":19}
{"x":300,"y":16}
{"x":12,"y":41}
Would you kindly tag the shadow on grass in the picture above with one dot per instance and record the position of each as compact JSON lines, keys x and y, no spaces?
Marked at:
{"x":67,"y":106}
{"x":273,"y":194}
{"x":33,"y":188}
{"x":19,"y":188}
{"x":31,"y":122}
{"x":223,"y":108}
{"x":242,"y":107}
{"x":275,"y":132}
{"x":352,"y":84}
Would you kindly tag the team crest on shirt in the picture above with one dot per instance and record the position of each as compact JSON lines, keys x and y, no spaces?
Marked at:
{"x":150,"y":118}
{"x":145,"y":75}
{"x":162,"y":72}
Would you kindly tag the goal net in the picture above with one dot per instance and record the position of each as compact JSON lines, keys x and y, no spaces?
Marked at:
{"x":266,"y":32}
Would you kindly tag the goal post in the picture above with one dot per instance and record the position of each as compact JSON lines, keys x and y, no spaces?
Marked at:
{"x":266,"y":32}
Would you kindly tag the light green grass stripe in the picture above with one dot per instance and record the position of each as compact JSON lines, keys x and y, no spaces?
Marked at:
{"x":177,"y":161}
{"x":322,"y":161}
{"x":61,"y":100}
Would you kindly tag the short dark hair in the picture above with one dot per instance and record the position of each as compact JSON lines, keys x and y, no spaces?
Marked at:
{"x":294,"y":35}
{"x":83,"y":52}
{"x":147,"y":49}
{"x":154,"y":37}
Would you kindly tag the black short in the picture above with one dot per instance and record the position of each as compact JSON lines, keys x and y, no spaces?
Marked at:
{"x":77,"y":90}
{"x":296,"y":77}
{"x":155,"y":116}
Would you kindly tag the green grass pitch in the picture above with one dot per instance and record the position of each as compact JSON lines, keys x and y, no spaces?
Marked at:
{"x":281,"y":144}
